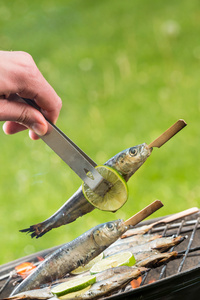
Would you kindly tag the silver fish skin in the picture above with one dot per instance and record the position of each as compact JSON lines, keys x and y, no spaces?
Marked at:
{"x":126,"y":162}
{"x":73,"y":254}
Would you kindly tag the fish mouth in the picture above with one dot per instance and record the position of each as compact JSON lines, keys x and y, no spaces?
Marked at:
{"x":145,"y":150}
{"x":120,"y":224}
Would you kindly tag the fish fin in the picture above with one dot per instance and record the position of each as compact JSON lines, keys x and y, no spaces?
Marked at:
{"x":36,"y":230}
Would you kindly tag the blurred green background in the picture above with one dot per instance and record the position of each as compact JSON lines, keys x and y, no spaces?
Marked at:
{"x":126,"y":71}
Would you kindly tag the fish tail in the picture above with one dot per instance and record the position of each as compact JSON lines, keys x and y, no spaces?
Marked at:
{"x":37,"y":230}
{"x":169,"y":256}
{"x":143,"y":270}
{"x":73,"y":208}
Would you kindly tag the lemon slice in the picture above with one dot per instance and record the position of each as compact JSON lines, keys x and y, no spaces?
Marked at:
{"x":73,"y":285}
{"x":87,"y":267}
{"x":115,"y":197}
{"x":116,"y":260}
{"x":75,"y":294}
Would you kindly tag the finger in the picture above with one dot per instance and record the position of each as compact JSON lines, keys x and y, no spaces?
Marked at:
{"x":28,"y":82}
{"x":24,"y":115}
{"x":32,"y":135}
{"x":46,"y":99}
{"x":37,"y":88}
{"x":11,"y":127}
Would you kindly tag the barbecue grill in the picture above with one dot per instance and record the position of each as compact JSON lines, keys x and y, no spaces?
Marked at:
{"x":177,"y":279}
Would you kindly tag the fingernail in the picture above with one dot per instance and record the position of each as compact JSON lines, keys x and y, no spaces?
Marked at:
{"x":4,"y":128}
{"x":39,"y":129}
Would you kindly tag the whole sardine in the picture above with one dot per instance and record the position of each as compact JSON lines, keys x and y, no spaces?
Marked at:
{"x":161,"y":244}
{"x":73,"y":254}
{"x":126,"y":162}
{"x":39,"y":294}
{"x":137,"y":239}
{"x":125,"y":244}
{"x":153,"y":259}
{"x":121,"y":276}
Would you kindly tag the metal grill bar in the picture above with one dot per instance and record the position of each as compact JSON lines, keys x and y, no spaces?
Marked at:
{"x":191,"y":250}
{"x":6,"y":283}
{"x":174,"y":226}
{"x":165,"y":230}
{"x":189,"y":245}
{"x":163,"y":271}
{"x":144,"y":278}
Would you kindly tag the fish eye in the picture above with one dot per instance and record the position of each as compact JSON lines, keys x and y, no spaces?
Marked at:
{"x":110,"y":226}
{"x":133,"y":151}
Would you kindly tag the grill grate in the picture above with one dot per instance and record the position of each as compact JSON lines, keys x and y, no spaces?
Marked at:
{"x":188,"y":258}
{"x":177,"y":274}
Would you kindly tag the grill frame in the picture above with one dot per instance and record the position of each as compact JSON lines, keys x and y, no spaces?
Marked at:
{"x":176,"y":286}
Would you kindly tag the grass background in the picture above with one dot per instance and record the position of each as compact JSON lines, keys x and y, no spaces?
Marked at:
{"x":126,"y":71}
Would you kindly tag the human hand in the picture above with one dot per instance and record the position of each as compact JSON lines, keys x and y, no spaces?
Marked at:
{"x":20,"y":77}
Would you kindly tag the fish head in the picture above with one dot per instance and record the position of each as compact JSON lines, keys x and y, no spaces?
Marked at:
{"x":109,"y":232}
{"x":128,"y":161}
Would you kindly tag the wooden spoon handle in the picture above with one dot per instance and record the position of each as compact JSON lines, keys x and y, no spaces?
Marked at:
{"x":168,"y":134}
